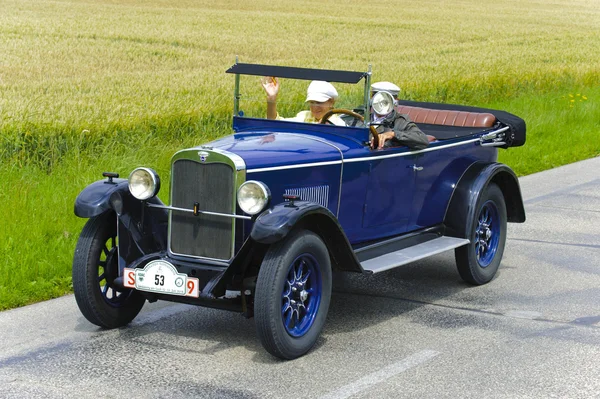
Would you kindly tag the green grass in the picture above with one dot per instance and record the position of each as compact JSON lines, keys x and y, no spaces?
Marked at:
{"x":88,"y":86}
{"x":560,"y":129}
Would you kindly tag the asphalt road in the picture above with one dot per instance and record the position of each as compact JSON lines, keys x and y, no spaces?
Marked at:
{"x":417,"y":331}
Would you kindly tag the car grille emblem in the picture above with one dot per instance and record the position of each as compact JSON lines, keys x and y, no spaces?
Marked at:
{"x":203,"y":155}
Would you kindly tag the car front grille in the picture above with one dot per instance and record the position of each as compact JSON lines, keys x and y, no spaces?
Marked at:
{"x":211,"y":185}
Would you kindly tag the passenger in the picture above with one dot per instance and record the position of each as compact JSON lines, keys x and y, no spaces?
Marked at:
{"x":395,"y":128}
{"x":320,"y":97}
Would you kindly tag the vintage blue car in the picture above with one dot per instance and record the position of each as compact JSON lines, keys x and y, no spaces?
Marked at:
{"x":258,"y":220}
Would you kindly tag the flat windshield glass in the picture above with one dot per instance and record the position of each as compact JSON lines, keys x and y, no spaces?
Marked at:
{"x":291,"y":100}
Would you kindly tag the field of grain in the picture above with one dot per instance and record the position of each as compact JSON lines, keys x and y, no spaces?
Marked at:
{"x":88,"y":86}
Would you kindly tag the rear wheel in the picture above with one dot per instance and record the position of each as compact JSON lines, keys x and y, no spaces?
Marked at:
{"x":292,"y":295}
{"x":478,"y":262}
{"x":95,"y":266}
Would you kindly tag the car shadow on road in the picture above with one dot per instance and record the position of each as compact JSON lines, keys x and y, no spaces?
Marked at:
{"x":358,"y":302}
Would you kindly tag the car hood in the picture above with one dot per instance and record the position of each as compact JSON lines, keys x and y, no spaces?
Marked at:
{"x":280,"y":149}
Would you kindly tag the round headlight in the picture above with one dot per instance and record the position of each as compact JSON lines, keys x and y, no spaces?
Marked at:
{"x":383,"y":102}
{"x":253,"y":196}
{"x":144,"y":183}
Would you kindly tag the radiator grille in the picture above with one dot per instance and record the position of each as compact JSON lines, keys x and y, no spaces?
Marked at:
{"x":212,"y":186}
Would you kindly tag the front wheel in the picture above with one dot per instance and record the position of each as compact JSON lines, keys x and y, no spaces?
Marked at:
{"x":95,"y":266}
{"x":293,"y":291}
{"x":478,"y":262}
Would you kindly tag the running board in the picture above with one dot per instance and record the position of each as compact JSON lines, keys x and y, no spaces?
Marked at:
{"x":411,"y":254}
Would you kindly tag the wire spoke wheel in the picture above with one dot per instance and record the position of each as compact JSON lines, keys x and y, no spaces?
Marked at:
{"x":108,"y":271}
{"x":479,"y":261}
{"x":301,"y":295}
{"x":487,"y":234}
{"x":292,"y":295}
{"x":95,"y":267}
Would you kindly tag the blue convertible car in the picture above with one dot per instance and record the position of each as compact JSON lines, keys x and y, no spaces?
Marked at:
{"x":258,"y":220}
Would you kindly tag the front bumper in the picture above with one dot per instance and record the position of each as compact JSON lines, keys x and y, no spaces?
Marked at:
{"x":213,"y":282}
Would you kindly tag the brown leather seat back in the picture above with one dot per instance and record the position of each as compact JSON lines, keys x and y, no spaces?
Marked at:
{"x":448,"y":118}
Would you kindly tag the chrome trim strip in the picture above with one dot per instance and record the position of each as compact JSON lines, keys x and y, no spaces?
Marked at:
{"x":222,"y":156}
{"x":363,"y":159}
{"x":174,"y":208}
{"x":297,"y":166}
{"x":413,"y":152}
{"x":494,"y":144}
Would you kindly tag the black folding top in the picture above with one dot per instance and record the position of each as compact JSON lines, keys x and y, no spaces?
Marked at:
{"x":327,"y":75}
{"x":514,"y":138}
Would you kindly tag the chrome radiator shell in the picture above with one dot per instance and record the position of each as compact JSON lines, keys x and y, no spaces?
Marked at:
{"x":210,"y":179}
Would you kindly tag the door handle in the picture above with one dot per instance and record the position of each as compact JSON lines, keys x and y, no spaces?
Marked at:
{"x":417,"y":168}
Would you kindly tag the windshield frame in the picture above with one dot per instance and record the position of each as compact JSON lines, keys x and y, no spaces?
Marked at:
{"x":328,"y":75}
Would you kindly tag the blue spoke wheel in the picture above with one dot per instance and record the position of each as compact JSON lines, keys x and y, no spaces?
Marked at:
{"x":292,"y":296}
{"x":95,"y":266}
{"x":301,"y":295}
{"x":478,"y":262}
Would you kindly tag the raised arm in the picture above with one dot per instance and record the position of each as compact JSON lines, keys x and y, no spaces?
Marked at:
{"x":271,"y":86}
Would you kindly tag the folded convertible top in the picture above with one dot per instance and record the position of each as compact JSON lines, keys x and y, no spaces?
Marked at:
{"x":515,"y":136}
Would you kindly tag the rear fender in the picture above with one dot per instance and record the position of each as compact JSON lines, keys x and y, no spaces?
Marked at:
{"x":461,"y":209}
{"x":277,"y":222}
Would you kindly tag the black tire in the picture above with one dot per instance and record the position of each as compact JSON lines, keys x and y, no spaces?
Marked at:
{"x":95,"y":266}
{"x":289,"y":308}
{"x":478,"y":262}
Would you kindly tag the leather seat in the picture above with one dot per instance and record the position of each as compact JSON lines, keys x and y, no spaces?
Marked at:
{"x":448,"y":118}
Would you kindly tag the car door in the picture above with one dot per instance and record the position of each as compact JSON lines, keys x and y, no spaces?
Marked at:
{"x":437,"y":172}
{"x":389,"y":196}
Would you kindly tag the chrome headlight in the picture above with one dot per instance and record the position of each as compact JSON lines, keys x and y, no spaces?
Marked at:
{"x":383,"y":103}
{"x":144,"y":183}
{"x":253,"y":196}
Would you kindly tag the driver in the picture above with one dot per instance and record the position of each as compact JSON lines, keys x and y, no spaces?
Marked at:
{"x":320,"y":97}
{"x":395,"y":128}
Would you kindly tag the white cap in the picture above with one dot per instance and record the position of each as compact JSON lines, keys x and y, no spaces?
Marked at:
{"x":320,"y":91}
{"x":386,"y":86}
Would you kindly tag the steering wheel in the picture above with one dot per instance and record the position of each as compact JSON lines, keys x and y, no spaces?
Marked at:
{"x":335,"y":111}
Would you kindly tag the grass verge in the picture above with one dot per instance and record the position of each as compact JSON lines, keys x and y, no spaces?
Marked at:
{"x":110,"y":85}
{"x":39,"y":230}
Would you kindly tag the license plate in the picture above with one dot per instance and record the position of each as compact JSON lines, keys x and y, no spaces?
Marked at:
{"x":161,"y":277}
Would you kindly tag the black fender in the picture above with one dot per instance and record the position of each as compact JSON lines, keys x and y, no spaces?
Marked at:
{"x":95,"y":198}
{"x":461,"y":209}
{"x":142,"y":230}
{"x":275,"y":224}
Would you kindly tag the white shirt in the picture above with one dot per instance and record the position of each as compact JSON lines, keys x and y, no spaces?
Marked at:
{"x":307,"y":117}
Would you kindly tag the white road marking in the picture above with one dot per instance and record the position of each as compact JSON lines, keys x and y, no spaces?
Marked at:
{"x":381,"y":375}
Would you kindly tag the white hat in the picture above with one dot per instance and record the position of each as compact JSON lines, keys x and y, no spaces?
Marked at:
{"x":320,"y":91}
{"x":386,"y":86}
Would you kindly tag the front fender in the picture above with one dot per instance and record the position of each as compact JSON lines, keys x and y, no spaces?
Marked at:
{"x":94,"y":200}
{"x":141,"y":230}
{"x":276,"y":223}
{"x":460,"y":212}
